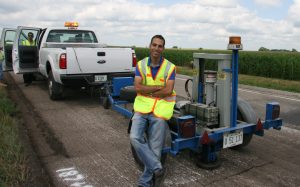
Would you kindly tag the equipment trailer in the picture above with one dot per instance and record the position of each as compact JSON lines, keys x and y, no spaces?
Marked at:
{"x":214,"y":118}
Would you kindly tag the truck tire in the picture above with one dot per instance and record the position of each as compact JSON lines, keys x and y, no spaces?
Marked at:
{"x":55,"y":89}
{"x":106,"y":103}
{"x":128,"y":93}
{"x":245,"y":113}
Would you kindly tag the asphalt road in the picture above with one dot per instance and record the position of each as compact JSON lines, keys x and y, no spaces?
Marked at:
{"x":82,"y":144}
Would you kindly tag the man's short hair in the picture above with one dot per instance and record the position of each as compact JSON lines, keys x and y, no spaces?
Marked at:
{"x":159,"y":37}
{"x":30,"y":33}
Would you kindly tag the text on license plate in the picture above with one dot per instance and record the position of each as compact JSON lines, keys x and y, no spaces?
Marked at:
{"x":100,"y":78}
{"x":232,"y":139}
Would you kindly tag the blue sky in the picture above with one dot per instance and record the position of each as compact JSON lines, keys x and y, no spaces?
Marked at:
{"x":273,"y":24}
{"x":269,"y":12}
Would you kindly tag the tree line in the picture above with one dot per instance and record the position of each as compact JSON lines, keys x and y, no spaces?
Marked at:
{"x":279,"y":50}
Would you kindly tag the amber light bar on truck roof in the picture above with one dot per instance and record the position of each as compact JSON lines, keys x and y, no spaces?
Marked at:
{"x":71,"y":24}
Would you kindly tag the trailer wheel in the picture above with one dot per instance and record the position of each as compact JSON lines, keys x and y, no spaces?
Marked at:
{"x":106,"y":103}
{"x":55,"y":89}
{"x":128,"y":93}
{"x":245,"y":113}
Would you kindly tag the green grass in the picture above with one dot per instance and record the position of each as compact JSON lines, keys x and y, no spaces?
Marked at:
{"x":278,"y":84}
{"x":13,"y":169}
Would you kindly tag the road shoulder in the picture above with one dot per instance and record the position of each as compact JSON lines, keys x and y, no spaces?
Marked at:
{"x":27,"y":132}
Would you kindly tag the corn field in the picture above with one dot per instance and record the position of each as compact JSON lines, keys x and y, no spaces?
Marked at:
{"x":281,"y":65}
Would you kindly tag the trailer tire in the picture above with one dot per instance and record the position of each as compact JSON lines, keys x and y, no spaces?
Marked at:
{"x":55,"y":89}
{"x":245,"y":113}
{"x":128,"y":93}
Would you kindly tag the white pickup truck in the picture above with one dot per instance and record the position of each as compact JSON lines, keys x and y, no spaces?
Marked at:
{"x":69,"y":57}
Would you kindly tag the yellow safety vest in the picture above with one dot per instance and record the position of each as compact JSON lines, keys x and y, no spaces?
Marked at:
{"x":27,"y":43}
{"x":160,"y":107}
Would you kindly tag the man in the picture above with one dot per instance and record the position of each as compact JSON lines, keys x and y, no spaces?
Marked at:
{"x":29,"y":41}
{"x":154,"y":82}
{"x":28,"y":77}
{"x":2,"y":84}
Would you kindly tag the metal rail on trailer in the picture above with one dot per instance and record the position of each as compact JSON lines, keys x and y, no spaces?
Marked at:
{"x":215,"y":118}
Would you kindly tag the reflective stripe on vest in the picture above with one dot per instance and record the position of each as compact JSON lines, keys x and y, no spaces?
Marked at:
{"x":161,"y":107}
{"x":144,"y":64}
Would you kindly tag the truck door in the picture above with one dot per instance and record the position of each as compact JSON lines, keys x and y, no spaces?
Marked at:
{"x":25,"y":50}
{"x":7,"y":40}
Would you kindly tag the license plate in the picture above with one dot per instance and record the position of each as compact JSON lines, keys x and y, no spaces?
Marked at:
{"x":100,"y":78}
{"x":232,"y":139}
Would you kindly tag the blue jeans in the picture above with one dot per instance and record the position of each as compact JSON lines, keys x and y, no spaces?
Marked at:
{"x":149,"y":149}
{"x":1,"y":71}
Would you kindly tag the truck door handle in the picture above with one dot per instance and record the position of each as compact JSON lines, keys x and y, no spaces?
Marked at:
{"x":101,"y":53}
{"x":101,"y":61}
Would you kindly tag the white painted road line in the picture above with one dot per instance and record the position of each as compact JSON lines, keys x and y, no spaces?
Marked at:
{"x":71,"y":175}
{"x":181,"y":79}
{"x":281,"y":97}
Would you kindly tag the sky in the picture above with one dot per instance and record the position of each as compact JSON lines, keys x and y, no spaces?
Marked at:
{"x":273,"y":24}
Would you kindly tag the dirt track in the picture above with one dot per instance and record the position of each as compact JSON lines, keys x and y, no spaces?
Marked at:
{"x":82,"y":144}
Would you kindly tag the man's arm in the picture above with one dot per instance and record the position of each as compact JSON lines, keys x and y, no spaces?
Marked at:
{"x":168,"y":89}
{"x":165,"y":91}
{"x":144,"y":89}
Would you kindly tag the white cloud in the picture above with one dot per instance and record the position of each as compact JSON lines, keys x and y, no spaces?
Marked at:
{"x":192,"y":24}
{"x":294,"y":13}
{"x":217,"y":3}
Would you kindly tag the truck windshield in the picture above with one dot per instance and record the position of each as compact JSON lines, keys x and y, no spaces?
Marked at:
{"x":71,"y":36}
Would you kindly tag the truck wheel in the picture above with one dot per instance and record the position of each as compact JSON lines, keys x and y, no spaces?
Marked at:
{"x":245,"y":113}
{"x":106,"y":103}
{"x":128,"y":93}
{"x":55,"y":89}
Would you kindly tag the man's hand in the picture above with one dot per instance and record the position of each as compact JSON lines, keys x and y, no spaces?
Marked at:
{"x":165,"y":91}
